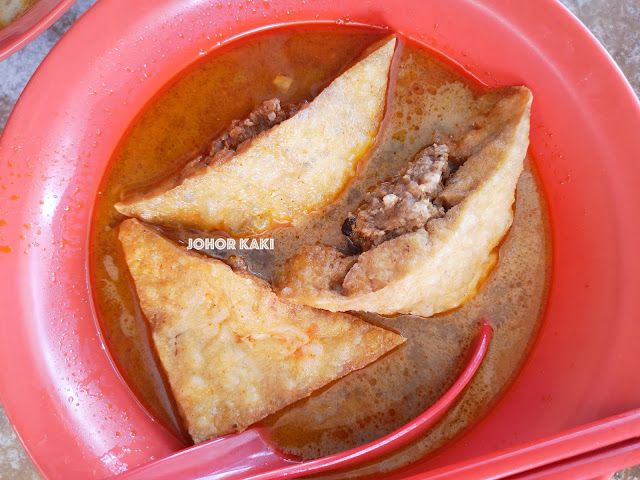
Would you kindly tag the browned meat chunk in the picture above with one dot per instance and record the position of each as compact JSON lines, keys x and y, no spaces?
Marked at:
{"x":404,"y":204}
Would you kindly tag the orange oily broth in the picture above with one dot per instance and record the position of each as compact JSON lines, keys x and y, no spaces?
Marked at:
{"x":385,"y":395}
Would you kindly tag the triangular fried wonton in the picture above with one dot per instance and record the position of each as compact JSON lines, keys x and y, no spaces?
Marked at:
{"x":438,"y":266}
{"x":233,"y":351}
{"x":296,"y":167}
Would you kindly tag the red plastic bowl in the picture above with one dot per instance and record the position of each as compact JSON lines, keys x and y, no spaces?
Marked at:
{"x":27,"y":27}
{"x":58,"y":385}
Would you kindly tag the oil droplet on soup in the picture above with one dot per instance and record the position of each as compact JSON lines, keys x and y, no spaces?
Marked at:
{"x":294,"y":65}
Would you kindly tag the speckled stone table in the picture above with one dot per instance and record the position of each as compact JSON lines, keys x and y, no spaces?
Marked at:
{"x":614,"y":22}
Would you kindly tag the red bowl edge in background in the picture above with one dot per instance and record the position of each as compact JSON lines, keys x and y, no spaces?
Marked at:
{"x":28,"y":26}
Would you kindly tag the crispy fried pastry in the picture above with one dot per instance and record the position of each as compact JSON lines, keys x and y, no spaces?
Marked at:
{"x":293,"y":168}
{"x":427,"y":268}
{"x":233,"y":351}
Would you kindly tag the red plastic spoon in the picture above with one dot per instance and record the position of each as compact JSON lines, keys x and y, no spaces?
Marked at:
{"x":252,"y":456}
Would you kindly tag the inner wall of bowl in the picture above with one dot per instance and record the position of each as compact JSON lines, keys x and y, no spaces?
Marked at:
{"x":97,"y":90}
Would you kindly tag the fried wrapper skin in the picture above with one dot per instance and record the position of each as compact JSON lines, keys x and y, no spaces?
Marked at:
{"x":438,"y":267}
{"x":232,"y":350}
{"x":293,"y":169}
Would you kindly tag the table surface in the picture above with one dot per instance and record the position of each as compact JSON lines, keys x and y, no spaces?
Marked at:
{"x":614,"y":22}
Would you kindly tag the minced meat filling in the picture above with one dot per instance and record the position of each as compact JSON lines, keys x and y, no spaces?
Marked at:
{"x":221,"y":148}
{"x":404,"y":204}
{"x":265,"y":116}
